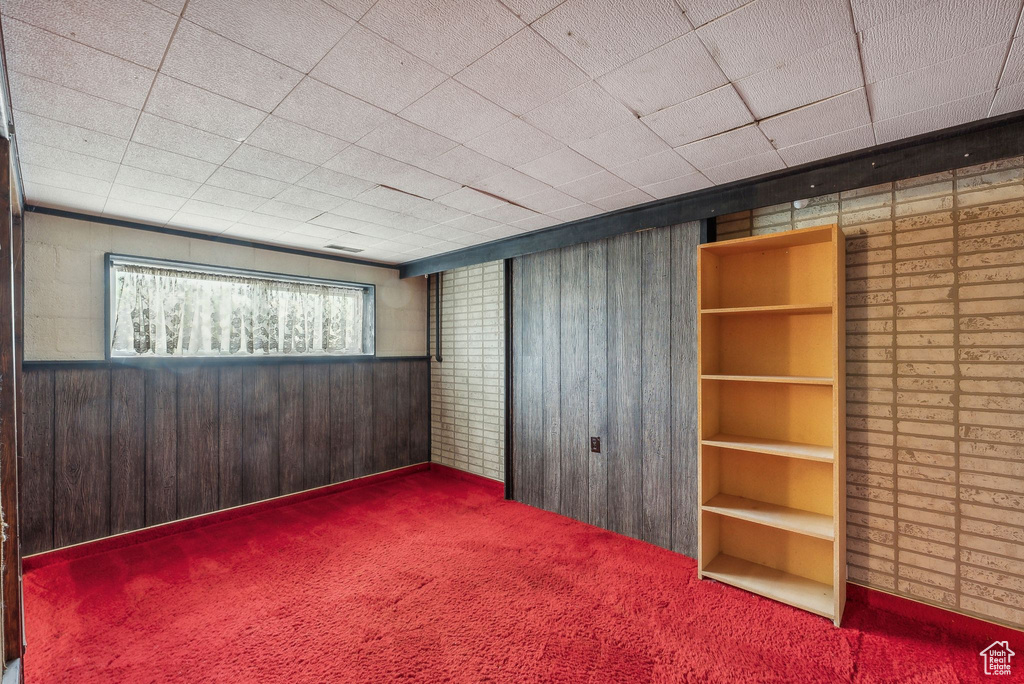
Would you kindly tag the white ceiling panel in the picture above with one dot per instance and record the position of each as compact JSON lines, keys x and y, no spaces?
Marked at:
{"x":294,"y":32}
{"x":580,"y":113}
{"x":33,"y":51}
{"x":829,"y":70}
{"x":522,"y":73}
{"x":330,"y":111}
{"x":600,"y":35}
{"x":675,"y":72}
{"x":365,"y":65}
{"x":456,"y":112}
{"x":179,"y":101}
{"x":371,"y":123}
{"x":934,"y":33}
{"x":449,"y":35}
{"x":130,"y":29}
{"x":72,"y":106}
{"x":768,"y":32}
{"x":700,"y":117}
{"x":205,"y":59}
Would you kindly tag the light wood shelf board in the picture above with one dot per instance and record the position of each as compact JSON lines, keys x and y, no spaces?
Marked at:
{"x":810,"y":452}
{"x":783,"y":379}
{"x":772,"y":309}
{"x":794,"y":590}
{"x":780,"y":517}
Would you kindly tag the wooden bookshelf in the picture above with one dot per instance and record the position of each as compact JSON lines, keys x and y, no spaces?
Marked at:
{"x":772,"y":518}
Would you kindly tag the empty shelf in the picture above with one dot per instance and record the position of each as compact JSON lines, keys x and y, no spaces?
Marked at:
{"x":774,"y":584}
{"x":776,"y":308}
{"x":785,"y":379}
{"x":781,"y":517}
{"x":811,"y":452}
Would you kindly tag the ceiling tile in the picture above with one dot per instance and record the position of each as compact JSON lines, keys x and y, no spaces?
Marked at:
{"x":470,"y":224}
{"x":769,"y":32}
{"x":547,"y":201}
{"x":455,"y":111}
{"x":655,"y":81}
{"x":538,"y":222}
{"x":868,"y":13}
{"x":367,"y":66}
{"x":627,"y":198}
{"x":576,"y":212}
{"x":198,"y":222}
{"x":72,"y":106}
{"x":560,"y":167}
{"x":287,"y":210}
{"x":225,"y":197}
{"x":469,"y":200}
{"x":700,"y":12}
{"x":49,"y":196}
{"x":292,"y":140}
{"x":35,"y":52}
{"x":152,"y":198}
{"x":677,"y":186}
{"x":268,"y":164}
{"x":67,"y":137}
{"x":419,"y":182}
{"x":1008,"y":99}
{"x":254,"y":219}
{"x":406,"y":141}
{"x":704,"y":115}
{"x":62,"y":160}
{"x":1013,"y":70}
{"x":828,"y":146}
{"x":150,"y":180}
{"x":175,"y":137}
{"x":126,"y":209}
{"x":589,"y":188}
{"x":621,"y":144}
{"x":522,"y":73}
{"x":64,"y":179}
{"x":353,"y":8}
{"x":510,"y":185}
{"x":246,"y":232}
{"x":334,"y":183}
{"x":464,"y":166}
{"x":839,"y":113}
{"x":719,"y":149}
{"x":387,"y":198}
{"x":829,"y":70}
{"x":172,"y":6}
{"x":368,"y":165}
{"x":954,"y":113}
{"x":437,"y":213}
{"x":447,"y":231}
{"x":169,"y":163}
{"x":330,"y":111}
{"x":654,"y":169}
{"x":748,"y":167}
{"x":514,"y":143}
{"x":294,"y":32}
{"x":508,"y":213}
{"x":207,"y":60}
{"x":580,"y":113}
{"x":131,"y":29}
{"x":179,"y":101}
{"x":600,"y":35}
{"x":937,"y":32}
{"x":366,"y":212}
{"x":954,"y":79}
{"x":449,"y":35}
{"x":501,"y":231}
{"x":245,"y":182}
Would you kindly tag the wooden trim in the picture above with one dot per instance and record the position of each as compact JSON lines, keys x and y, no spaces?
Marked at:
{"x":509,"y":480}
{"x":135,"y":225}
{"x":972,"y":143}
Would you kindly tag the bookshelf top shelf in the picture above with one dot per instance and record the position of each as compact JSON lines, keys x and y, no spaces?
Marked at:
{"x":773,"y":241}
{"x":772,"y":309}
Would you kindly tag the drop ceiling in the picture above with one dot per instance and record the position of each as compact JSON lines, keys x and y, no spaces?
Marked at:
{"x":409,"y":128}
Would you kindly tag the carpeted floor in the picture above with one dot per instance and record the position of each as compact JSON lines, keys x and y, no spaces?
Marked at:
{"x":432,"y":578}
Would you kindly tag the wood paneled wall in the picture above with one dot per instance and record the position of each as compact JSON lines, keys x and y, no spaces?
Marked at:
{"x":604,"y":344}
{"x":113,"y":448}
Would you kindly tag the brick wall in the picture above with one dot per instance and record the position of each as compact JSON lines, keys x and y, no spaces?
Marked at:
{"x":468,"y":386}
{"x":935,"y":382}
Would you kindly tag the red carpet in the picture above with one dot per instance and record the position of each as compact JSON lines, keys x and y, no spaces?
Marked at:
{"x":433,"y":578}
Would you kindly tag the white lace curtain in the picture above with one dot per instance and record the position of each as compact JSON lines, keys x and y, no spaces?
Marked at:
{"x":169,"y":312}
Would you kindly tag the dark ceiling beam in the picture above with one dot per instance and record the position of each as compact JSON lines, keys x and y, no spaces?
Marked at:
{"x":951,"y":148}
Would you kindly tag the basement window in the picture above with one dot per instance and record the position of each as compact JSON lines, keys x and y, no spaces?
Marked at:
{"x":170,"y":309}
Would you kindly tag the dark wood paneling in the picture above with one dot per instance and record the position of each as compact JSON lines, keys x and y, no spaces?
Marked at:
{"x":161,"y":447}
{"x":291,"y":429}
{"x":198,"y":441}
{"x":610,"y":353}
{"x":316,"y":389}
{"x":128,"y":447}
{"x":574,"y":364}
{"x":37,"y":458}
{"x":81,"y":445}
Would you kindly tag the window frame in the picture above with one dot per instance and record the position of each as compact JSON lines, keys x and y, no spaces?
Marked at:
{"x":111,"y":259}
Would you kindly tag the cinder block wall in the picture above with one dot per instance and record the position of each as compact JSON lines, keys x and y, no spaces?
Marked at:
{"x":935,"y":382}
{"x":468,"y":386}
